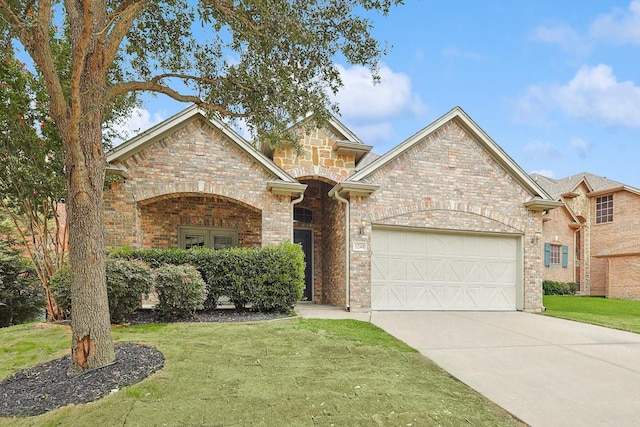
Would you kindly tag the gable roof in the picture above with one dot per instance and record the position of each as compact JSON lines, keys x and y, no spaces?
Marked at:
{"x":488,"y":144}
{"x":181,"y":119}
{"x":349,"y":143}
{"x":595,"y":183}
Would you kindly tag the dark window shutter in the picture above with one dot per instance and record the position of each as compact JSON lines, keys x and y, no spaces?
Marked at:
{"x":547,"y":254}
{"x":565,"y":256}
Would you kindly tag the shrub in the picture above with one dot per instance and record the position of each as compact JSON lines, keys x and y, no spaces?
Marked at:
{"x":551,"y":287}
{"x":21,"y":298}
{"x":280,"y":279}
{"x":127,"y":282}
{"x":270,"y":279}
{"x":181,"y":291}
{"x":230,"y":275}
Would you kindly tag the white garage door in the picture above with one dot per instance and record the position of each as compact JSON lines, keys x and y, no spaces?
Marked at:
{"x":414,"y":270}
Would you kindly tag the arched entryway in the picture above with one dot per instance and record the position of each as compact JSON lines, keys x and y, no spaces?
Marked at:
{"x":186,"y":220}
{"x":318,"y":226}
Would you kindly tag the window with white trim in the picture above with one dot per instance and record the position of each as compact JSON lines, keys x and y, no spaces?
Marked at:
{"x":207,"y":237}
{"x":604,"y":209}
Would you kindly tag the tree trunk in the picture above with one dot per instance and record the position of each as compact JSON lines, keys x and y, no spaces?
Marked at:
{"x":92,"y":345}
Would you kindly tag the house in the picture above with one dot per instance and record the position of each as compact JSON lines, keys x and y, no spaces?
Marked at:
{"x":594,"y":238}
{"x":444,"y":221}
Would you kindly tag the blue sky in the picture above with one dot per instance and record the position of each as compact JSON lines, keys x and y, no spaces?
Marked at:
{"x":555,"y":83}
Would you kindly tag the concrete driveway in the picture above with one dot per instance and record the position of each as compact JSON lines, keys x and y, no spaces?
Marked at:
{"x":545,"y":371}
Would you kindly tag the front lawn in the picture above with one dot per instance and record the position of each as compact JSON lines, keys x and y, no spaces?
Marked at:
{"x":288,"y":372}
{"x":616,"y":314}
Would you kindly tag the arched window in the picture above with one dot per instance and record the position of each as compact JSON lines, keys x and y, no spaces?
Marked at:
{"x":302,"y":215}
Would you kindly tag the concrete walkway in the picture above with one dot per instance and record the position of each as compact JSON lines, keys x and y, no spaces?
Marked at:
{"x":545,"y":371}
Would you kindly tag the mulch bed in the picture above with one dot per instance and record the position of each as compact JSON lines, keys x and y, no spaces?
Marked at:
{"x":42,"y":388}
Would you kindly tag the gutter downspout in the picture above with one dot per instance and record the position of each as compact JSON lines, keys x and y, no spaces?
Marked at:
{"x":295,"y":202}
{"x":339,"y":198}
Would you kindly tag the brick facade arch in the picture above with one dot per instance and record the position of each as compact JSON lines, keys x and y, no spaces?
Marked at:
{"x":174,"y":189}
{"x":480,"y":218}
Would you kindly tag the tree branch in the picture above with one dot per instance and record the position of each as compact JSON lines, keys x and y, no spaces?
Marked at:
{"x":155,"y":85}
{"x":120,"y":22}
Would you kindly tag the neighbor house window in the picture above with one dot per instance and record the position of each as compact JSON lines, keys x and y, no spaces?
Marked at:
{"x":604,"y":209}
{"x":555,"y":255}
{"x":205,"y":237}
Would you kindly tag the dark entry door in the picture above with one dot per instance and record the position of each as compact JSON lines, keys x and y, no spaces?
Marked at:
{"x":304,"y":238}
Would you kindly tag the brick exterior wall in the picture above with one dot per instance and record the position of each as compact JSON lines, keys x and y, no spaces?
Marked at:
{"x":581,"y":207}
{"x":556,"y":231}
{"x":195,"y":160}
{"x":625,"y":227}
{"x":447,"y":181}
{"x":196,"y":176}
{"x":623,"y":277}
{"x":599,"y":276}
{"x":160,"y":219}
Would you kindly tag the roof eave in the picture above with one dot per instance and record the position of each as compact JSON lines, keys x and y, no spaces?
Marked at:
{"x":539,"y":205}
{"x":498,"y":154}
{"x":348,"y":189}
{"x":282,"y":188}
{"x":183,"y":118}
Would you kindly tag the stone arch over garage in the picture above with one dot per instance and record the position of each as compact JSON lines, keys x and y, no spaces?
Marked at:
{"x":165,"y":219}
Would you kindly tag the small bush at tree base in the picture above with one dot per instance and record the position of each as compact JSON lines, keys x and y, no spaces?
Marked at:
{"x":551,"y":287}
{"x":127,"y":282}
{"x":21,"y":298}
{"x":181,"y":291}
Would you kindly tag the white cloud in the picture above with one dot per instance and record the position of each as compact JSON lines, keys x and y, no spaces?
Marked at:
{"x":619,"y":26}
{"x":139,"y":120}
{"x":544,"y":172}
{"x":594,"y":94}
{"x":382,"y":131}
{"x":541,"y":150}
{"x":581,"y":147}
{"x":453,"y":52}
{"x":370,"y":107}
{"x":564,"y":36}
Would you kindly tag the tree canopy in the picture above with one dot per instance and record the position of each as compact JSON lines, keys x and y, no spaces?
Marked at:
{"x":268,"y":62}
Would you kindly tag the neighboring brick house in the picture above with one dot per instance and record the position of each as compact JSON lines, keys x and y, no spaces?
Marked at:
{"x":445,"y":221}
{"x":598,"y":228}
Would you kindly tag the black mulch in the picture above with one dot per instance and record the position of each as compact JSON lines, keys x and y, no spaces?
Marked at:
{"x":42,"y":388}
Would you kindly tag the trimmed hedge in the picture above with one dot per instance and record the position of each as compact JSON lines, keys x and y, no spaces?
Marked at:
{"x":21,"y":296}
{"x":551,"y":287}
{"x":268,"y":279}
{"x":127,"y":282}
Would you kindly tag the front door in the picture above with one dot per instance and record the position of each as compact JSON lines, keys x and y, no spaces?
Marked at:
{"x":304,"y":237}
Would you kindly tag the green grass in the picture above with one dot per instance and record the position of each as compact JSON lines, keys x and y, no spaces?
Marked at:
{"x":616,"y":314}
{"x":293,"y":372}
